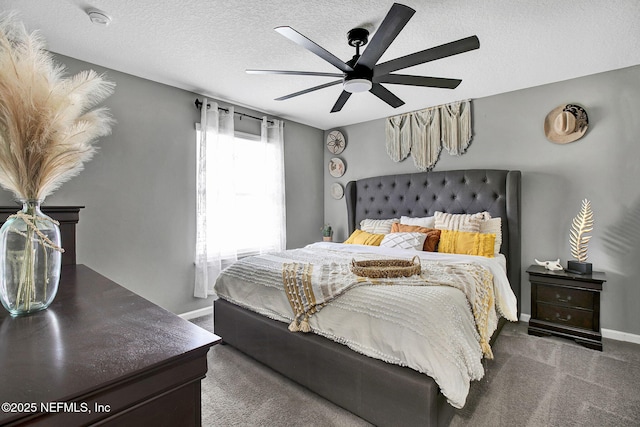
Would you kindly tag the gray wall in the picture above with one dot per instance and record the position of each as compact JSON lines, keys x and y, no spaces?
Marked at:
{"x":603,"y":167}
{"x":138,"y":225}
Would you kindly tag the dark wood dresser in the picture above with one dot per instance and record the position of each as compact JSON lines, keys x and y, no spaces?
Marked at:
{"x":101,"y":354}
{"x":566,"y":305}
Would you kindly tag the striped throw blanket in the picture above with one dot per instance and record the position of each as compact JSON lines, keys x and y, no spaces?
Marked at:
{"x":310,"y":286}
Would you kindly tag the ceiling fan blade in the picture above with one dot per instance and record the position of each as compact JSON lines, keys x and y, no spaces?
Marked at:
{"x":405,"y":79}
{"x":393,"y":23}
{"x":383,"y":93}
{"x":301,"y":40}
{"x":342,"y":99}
{"x":438,"y":52}
{"x":294,"y":73}
{"x":311,"y":89}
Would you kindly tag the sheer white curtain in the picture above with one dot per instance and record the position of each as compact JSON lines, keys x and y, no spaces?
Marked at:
{"x":240,"y":205}
{"x":214,"y":202}
{"x":272,"y":147}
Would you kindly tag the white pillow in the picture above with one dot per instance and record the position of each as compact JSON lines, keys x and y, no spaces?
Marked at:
{"x":427,"y":221}
{"x":460,"y":222}
{"x":411,"y":240}
{"x":377,"y":226}
{"x":493,"y":225}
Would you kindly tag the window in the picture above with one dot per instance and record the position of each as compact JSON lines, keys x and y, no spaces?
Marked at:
{"x":249,"y":205}
{"x":240,"y":200}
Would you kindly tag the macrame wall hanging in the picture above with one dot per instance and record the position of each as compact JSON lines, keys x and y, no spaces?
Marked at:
{"x":424,"y":133}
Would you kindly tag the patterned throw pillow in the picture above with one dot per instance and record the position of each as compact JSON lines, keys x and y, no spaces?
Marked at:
{"x":493,"y":226}
{"x":377,"y":226}
{"x":433,"y":235}
{"x":427,"y":221}
{"x":461,"y":222}
{"x":413,"y":241}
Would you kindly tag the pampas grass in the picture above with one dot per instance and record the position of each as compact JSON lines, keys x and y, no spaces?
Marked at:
{"x":48,"y":123}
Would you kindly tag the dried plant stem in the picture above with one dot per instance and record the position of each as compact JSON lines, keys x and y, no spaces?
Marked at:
{"x":26,"y":290}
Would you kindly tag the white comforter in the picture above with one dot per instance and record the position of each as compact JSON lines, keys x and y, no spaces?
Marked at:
{"x":428,"y":328}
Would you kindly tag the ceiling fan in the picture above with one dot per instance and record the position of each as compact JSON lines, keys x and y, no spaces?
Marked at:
{"x":362,"y":73}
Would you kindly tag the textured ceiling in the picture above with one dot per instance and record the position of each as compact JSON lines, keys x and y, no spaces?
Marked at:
{"x":205,"y":46}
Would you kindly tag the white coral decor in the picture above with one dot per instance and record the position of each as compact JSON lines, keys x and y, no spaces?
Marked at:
{"x":581,"y":225}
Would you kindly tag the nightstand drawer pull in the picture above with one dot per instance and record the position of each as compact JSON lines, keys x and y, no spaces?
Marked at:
{"x":567,"y":299}
{"x":563,"y":319}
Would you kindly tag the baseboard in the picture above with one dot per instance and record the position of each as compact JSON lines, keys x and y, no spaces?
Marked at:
{"x":620,"y":336}
{"x":197,"y":313}
{"x":606,"y":333}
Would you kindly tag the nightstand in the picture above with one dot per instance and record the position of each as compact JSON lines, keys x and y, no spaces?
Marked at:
{"x":566,"y":305}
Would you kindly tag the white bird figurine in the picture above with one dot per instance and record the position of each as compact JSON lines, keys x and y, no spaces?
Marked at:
{"x":551,"y":265}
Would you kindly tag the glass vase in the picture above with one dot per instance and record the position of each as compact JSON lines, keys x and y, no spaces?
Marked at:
{"x":30,"y":260}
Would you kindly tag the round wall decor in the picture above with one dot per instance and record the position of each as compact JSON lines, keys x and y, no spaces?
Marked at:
{"x":336,"y":167}
{"x":336,"y":142}
{"x":337,"y":192}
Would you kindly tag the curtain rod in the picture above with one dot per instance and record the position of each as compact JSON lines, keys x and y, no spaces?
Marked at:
{"x":432,"y":107}
{"x":226,"y":110}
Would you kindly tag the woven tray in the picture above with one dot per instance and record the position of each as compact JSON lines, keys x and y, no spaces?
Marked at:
{"x":385,"y":268}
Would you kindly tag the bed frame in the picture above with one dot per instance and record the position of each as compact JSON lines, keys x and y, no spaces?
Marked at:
{"x":381,"y":393}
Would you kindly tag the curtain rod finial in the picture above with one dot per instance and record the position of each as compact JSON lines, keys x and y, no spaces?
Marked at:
{"x":199,"y":104}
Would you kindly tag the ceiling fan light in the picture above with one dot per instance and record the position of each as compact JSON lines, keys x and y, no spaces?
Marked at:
{"x":357,"y":85}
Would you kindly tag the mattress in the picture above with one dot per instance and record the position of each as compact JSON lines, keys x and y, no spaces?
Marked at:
{"x":430,"y":329}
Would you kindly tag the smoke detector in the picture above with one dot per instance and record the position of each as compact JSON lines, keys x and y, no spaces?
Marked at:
{"x":99,"y":17}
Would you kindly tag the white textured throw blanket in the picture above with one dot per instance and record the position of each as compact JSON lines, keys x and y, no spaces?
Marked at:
{"x":431,"y":329}
{"x":310,"y":286}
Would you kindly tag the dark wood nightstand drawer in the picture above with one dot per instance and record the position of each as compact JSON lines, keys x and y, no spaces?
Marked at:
{"x":566,"y":304}
{"x":566,"y":297}
{"x":575,"y":281}
{"x":565,"y":315}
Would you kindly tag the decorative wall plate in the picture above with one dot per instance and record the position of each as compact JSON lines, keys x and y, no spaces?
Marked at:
{"x":336,"y":167}
{"x":336,"y":142}
{"x":337,"y":191}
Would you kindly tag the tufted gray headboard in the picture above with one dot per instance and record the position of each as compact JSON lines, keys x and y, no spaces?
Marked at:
{"x":459,"y":191}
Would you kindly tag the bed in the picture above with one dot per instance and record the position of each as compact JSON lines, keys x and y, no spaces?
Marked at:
{"x":380,"y":392}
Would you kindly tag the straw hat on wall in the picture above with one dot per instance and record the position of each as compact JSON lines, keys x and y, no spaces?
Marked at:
{"x":566,"y":123}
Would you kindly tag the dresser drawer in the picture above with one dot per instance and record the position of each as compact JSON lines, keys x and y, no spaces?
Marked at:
{"x":566,"y":297}
{"x":565,"y":315}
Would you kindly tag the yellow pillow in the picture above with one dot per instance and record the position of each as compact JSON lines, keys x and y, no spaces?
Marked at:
{"x":467,"y":243}
{"x":360,"y":237}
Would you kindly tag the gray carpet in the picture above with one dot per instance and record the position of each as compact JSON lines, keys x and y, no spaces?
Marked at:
{"x":533,"y":381}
